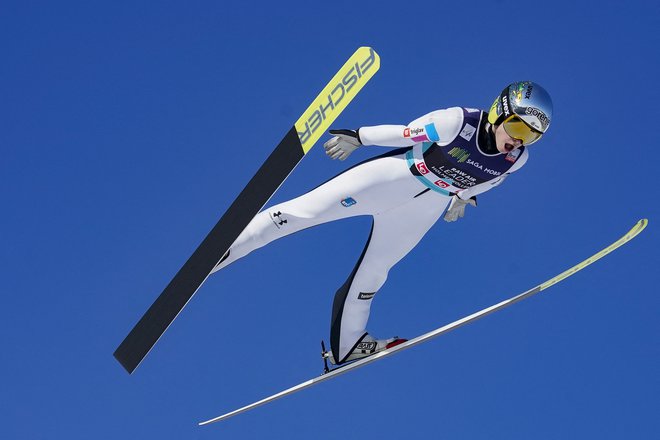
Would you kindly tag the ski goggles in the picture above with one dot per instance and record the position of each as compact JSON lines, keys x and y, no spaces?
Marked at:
{"x":517,"y":129}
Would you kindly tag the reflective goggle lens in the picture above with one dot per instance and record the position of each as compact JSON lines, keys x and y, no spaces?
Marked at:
{"x":517,"y":129}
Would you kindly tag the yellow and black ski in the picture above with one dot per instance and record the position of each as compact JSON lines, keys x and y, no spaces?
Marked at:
{"x":334,"y":98}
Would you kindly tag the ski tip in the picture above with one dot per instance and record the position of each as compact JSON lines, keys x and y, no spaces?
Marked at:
{"x":336,"y":95}
{"x":368,"y":49}
{"x":639,"y":227}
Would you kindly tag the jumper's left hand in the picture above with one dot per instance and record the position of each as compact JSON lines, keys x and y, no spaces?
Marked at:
{"x":456,"y":208}
{"x":342,"y":144}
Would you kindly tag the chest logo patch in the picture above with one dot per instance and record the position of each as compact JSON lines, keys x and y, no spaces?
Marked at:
{"x":513,"y":156}
{"x":422,"y":168}
{"x":459,"y":154}
{"x":467,"y":132}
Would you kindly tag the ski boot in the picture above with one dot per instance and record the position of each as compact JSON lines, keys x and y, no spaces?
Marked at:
{"x":367,"y":346}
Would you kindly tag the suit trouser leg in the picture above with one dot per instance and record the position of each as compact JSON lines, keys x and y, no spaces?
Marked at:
{"x":376,"y":185}
{"x":394,"y":234}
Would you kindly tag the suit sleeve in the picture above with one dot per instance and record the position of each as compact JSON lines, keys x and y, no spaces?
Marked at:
{"x":438,"y":126}
{"x":385,"y":136}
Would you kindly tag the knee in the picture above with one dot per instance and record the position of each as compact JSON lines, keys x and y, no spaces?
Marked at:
{"x":371,"y":278}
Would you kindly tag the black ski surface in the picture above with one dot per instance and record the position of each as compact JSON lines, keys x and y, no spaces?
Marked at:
{"x":343,"y":87}
{"x":194,"y":272}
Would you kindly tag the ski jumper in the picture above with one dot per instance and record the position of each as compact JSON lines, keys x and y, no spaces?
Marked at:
{"x":405,"y":191}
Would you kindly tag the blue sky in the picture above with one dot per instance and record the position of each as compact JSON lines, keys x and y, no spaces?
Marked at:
{"x":127,"y":129}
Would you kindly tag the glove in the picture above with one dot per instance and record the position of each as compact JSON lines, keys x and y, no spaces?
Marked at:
{"x":456,"y":208}
{"x":342,"y":144}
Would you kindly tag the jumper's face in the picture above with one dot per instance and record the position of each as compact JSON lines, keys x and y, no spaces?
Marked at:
{"x":505,"y":143}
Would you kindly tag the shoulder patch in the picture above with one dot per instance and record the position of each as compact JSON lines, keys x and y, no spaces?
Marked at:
{"x":431,"y":132}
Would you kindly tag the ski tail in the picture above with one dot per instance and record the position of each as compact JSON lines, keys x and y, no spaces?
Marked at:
{"x":316,"y":119}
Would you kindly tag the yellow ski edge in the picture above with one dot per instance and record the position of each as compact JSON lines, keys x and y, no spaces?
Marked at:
{"x":336,"y":95}
{"x":634,"y":231}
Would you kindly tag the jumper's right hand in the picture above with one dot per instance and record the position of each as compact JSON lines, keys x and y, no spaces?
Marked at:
{"x":456,"y":208}
{"x":342,"y":144}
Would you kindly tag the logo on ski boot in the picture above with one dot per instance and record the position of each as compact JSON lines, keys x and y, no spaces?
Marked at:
{"x":348,"y":201}
{"x":366,"y":295}
{"x":366,"y":347}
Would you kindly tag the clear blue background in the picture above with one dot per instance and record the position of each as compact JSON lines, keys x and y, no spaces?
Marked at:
{"x":127,"y":129}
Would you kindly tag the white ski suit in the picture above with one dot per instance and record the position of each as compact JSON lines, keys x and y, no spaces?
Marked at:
{"x":405,"y":191}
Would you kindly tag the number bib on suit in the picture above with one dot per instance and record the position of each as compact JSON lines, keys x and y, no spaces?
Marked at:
{"x":460,"y":164}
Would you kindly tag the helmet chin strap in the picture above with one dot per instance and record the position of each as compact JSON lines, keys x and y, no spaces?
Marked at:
{"x":487,"y":141}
